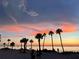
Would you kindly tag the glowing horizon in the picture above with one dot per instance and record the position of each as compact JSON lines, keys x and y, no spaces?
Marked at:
{"x":18,"y":31}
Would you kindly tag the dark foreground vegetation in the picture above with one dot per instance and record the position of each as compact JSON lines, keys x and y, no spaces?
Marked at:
{"x":6,"y":53}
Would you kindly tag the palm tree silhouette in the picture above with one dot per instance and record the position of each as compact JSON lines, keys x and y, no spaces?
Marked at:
{"x":39,"y":36}
{"x":12,"y":44}
{"x":44,"y":35}
{"x":31,"y":41}
{"x":8,"y":42}
{"x":58,"y":31}
{"x":24,"y":40}
{"x":21,"y":43}
{"x":4,"y":44}
{"x":51,"y":34}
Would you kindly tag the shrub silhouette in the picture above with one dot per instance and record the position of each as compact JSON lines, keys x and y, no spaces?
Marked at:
{"x":12,"y":44}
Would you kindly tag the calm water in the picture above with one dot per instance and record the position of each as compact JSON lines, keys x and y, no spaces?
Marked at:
{"x":74,"y":48}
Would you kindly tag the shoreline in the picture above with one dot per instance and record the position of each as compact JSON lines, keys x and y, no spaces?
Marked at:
{"x":75,"y":49}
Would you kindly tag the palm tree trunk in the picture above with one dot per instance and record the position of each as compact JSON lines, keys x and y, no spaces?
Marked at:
{"x":43,"y":43}
{"x":12,"y":47}
{"x":52,"y":42}
{"x":31,"y":45}
{"x":21,"y":45}
{"x":61,"y":42}
{"x":8,"y":44}
{"x":24,"y":47}
{"x":39,"y":45}
{"x":4,"y":46}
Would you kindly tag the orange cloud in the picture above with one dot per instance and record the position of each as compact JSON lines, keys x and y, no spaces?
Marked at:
{"x":68,"y":27}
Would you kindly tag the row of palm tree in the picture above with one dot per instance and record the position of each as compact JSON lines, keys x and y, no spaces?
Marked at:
{"x":40,"y":36}
{"x":12,"y":44}
{"x":4,"y":44}
{"x":25,"y":40}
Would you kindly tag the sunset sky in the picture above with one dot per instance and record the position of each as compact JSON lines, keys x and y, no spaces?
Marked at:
{"x":26,"y":18}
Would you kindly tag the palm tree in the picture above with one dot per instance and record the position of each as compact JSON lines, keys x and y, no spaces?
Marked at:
{"x":12,"y":44}
{"x":31,"y":41}
{"x":39,"y":36}
{"x":8,"y":42}
{"x":24,"y":40}
{"x":58,"y":31}
{"x":44,"y":35}
{"x":4,"y":44}
{"x":51,"y":34}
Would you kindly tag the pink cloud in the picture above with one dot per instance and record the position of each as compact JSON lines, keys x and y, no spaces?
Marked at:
{"x":11,"y":28}
{"x":32,"y":29}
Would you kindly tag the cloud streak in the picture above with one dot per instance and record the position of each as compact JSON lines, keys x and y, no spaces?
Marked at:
{"x":5,"y":3}
{"x":26,"y":10}
{"x":13,"y":19}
